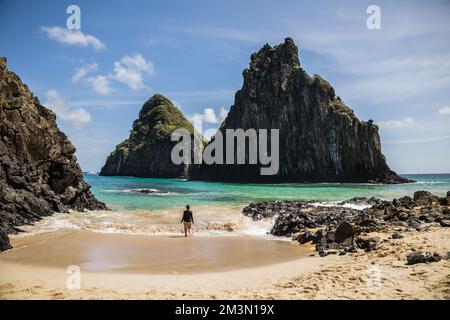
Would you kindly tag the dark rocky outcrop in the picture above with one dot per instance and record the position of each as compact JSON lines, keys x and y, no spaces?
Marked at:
{"x":341,"y":228}
{"x":368,"y":243}
{"x":445,"y":223}
{"x":4,"y":241}
{"x":39,"y":174}
{"x":149,"y":191}
{"x":321,"y":139}
{"x":146,"y":153}
{"x":419,"y":257}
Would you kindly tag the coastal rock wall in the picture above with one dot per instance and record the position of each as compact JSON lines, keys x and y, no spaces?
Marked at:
{"x":39,"y":174}
{"x":146,"y":153}
{"x":321,"y":139}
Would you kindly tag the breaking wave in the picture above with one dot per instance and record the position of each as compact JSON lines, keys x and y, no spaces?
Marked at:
{"x":208,"y":222}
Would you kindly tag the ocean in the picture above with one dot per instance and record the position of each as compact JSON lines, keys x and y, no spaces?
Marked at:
{"x":118,"y":193}
{"x":217,"y":206}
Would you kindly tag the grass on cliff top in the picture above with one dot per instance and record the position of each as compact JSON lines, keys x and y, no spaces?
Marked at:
{"x":160,"y":118}
{"x":157,"y":120}
{"x":123,"y":147}
{"x":341,"y":108}
{"x":323,"y":83}
{"x":336,"y":104}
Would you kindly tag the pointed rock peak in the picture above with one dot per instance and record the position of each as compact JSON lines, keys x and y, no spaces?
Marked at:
{"x":285,"y":53}
{"x":161,"y":117}
{"x":157,"y":100}
{"x":147,"y":151}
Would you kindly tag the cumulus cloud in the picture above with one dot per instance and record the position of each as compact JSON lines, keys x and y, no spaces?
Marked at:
{"x":83,"y":71}
{"x":397,"y":124}
{"x":130,"y":70}
{"x":444,"y":111}
{"x":100,"y":84}
{"x":208,"y":116}
{"x":78,"y":117}
{"x":73,"y":37}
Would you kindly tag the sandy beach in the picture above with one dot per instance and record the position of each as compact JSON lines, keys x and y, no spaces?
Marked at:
{"x":117,"y":266}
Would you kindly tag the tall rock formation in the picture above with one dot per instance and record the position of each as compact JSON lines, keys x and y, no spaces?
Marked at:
{"x":39,"y":174}
{"x":321,"y":139}
{"x":146,"y":153}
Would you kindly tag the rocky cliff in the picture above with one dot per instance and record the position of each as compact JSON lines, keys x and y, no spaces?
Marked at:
{"x":320,"y":138}
{"x":39,"y":174}
{"x":146,"y":153}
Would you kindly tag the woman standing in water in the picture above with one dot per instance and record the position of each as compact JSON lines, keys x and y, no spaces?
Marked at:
{"x":188,"y":220}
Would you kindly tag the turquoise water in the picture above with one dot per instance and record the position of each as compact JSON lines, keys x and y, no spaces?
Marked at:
{"x":174,"y":193}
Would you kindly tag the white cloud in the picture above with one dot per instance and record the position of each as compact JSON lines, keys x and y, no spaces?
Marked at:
{"x":83,"y":71}
{"x":207,"y":134}
{"x":444,"y":111}
{"x":100,"y":84}
{"x":131,"y":70}
{"x":208,"y":116}
{"x":73,"y":37}
{"x":78,"y":117}
{"x":397,"y":124}
{"x":223,"y":113}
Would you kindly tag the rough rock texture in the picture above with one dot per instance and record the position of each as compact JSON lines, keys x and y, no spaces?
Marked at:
{"x":321,"y":139}
{"x":146,"y":153}
{"x":4,"y":241}
{"x":341,"y":228}
{"x":39,"y":174}
{"x":419,"y":257}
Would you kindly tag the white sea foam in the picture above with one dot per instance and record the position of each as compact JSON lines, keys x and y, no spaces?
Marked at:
{"x":209,"y":222}
{"x":356,"y":206}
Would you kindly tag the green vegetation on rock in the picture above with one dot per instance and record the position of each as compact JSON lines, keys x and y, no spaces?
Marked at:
{"x":147,"y":150}
{"x":157,"y":120}
{"x":322,"y":82}
{"x":341,"y":108}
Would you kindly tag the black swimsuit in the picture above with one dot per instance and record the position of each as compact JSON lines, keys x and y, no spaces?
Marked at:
{"x":187,"y":216}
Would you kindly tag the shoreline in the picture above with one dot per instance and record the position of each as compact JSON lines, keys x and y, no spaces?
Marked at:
{"x":139,"y":266}
{"x":157,"y":254}
{"x":308,"y":277}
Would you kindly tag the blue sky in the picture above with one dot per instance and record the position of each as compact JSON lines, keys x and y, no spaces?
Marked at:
{"x":194,"y":53}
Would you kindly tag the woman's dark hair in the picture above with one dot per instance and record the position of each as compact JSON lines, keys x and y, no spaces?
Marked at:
{"x":188,"y":206}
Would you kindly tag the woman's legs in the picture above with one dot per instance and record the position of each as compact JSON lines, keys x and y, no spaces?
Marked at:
{"x":187,"y":227}
{"x":185,"y":223}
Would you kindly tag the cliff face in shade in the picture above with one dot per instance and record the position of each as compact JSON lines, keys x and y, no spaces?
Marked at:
{"x":321,"y":139}
{"x":146,"y":153}
{"x":39,"y":174}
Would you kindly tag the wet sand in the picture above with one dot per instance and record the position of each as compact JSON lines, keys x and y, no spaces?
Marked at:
{"x":36,"y":269}
{"x":104,"y":252}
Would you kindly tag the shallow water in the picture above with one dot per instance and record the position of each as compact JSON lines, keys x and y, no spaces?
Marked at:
{"x":175,"y":193}
{"x":217,"y":206}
